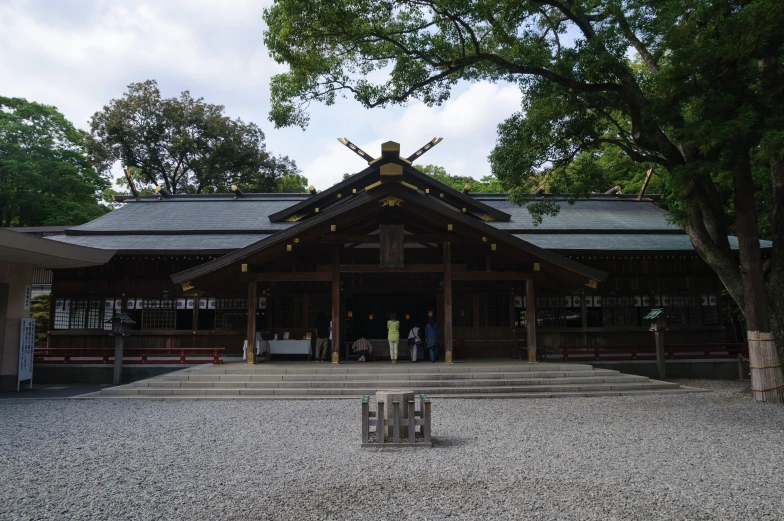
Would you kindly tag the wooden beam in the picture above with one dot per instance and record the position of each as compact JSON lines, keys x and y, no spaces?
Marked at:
{"x":375,"y":239}
{"x":292,"y":276}
{"x":335,"y":275}
{"x":251,"y":334}
{"x":530,"y":319}
{"x":490,"y":275}
{"x":644,"y":187}
{"x":409,"y":268}
{"x":448,"y":302}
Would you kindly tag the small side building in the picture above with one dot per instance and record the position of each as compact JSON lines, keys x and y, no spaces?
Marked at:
{"x":21,"y":256}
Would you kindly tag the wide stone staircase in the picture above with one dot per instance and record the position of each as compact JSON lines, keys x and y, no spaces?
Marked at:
{"x":303,"y":380}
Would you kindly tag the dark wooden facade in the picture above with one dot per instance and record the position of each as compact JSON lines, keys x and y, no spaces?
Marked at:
{"x":472,"y":262}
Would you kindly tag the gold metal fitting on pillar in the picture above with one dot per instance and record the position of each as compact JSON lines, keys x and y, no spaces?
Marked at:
{"x":335,"y":357}
{"x":448,"y":357}
{"x":251,"y":356}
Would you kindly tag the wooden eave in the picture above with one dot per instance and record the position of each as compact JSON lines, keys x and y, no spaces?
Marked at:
{"x":358,"y":183}
{"x":354,"y":208}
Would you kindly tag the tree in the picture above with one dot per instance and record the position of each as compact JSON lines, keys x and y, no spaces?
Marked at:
{"x":183,"y":144}
{"x":486,"y":184}
{"x":702,"y":99}
{"x":39,"y":310}
{"x":292,"y":184}
{"x":45,"y":175}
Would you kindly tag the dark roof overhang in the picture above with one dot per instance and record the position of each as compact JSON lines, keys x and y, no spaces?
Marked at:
{"x":46,"y":253}
{"x":411,"y":196}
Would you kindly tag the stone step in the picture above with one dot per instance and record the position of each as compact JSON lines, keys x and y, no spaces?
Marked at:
{"x":435,"y":391}
{"x":495,"y":396}
{"x":385,"y":377}
{"x":387,"y":383}
{"x":403,"y":367}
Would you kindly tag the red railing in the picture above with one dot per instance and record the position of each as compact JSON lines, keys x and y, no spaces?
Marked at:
{"x":725,"y":350}
{"x":131,"y":355}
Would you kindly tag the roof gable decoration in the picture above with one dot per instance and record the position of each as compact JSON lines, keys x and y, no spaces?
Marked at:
{"x":356,"y":210}
{"x":389,"y":167}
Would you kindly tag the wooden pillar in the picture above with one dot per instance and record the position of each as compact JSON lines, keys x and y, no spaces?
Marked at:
{"x":336,"y":303}
{"x":530,"y":319}
{"x":447,"y":302}
{"x":251,"y":336}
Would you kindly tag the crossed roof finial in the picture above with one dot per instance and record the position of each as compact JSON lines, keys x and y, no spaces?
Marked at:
{"x":410,"y":159}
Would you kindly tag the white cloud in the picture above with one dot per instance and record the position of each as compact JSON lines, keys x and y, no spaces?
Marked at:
{"x":78,"y":55}
{"x":467,"y":123}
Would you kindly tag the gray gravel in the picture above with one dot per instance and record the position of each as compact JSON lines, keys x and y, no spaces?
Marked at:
{"x":697,"y":456}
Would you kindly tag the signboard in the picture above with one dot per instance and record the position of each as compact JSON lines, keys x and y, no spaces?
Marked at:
{"x":189,"y":303}
{"x":26,"y":345}
{"x":202,"y":303}
{"x":262,"y":303}
{"x":180,"y":303}
{"x":118,"y":304}
{"x":211,"y":303}
{"x":28,"y":296}
{"x":518,"y":301}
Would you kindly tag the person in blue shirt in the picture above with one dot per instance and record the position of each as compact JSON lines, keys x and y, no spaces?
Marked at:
{"x":432,"y":336}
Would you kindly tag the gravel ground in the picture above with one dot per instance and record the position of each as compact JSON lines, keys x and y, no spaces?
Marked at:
{"x":699,"y":457}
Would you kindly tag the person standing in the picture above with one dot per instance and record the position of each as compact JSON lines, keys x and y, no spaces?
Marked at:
{"x":322,"y":336}
{"x":414,"y":343}
{"x":432,"y":335}
{"x":393,"y":335}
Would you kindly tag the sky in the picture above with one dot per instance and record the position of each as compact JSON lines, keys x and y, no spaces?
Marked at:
{"x":79,"y":54}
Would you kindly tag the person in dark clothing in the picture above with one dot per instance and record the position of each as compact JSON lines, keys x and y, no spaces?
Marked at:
{"x":432,"y":337}
{"x":322,"y":336}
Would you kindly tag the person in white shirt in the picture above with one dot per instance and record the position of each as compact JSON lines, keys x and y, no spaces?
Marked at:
{"x":414,"y":343}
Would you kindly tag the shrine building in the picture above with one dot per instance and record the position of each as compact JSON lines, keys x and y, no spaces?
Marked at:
{"x":210,"y":270}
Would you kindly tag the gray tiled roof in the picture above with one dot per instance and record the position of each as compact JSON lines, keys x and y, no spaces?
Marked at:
{"x":191,"y":215}
{"x":218,"y":213}
{"x":217,"y":242}
{"x":618,"y":241}
{"x":594,"y":214}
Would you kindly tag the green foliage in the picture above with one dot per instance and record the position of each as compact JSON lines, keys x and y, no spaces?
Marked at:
{"x":45,"y":175}
{"x":183,"y":144}
{"x":702,"y":95}
{"x":292,"y":184}
{"x":39,"y":310}
{"x":488,"y":184}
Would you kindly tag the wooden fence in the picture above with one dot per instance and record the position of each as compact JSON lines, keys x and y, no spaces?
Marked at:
{"x":132,"y":355}
{"x":611,"y":353}
{"x":377,"y":420}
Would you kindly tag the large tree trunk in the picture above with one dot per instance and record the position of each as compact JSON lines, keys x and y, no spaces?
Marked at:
{"x":767,"y":380}
{"x":775,"y":279}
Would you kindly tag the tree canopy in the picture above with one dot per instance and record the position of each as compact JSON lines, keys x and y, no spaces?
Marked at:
{"x":183,"y":144}
{"x":46,"y":177}
{"x":486,"y":184}
{"x":691,"y":86}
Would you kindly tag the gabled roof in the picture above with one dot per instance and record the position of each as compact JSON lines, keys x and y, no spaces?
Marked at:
{"x":389,"y":166}
{"x":412,"y":198}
